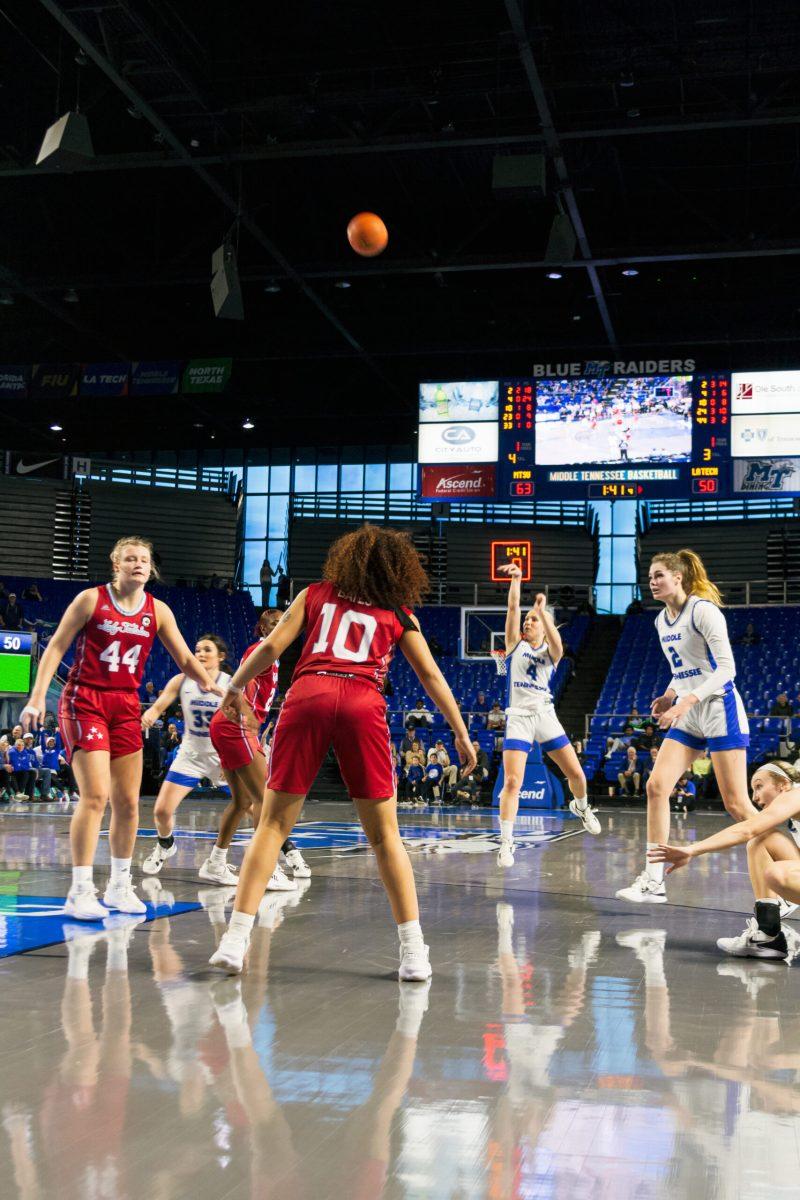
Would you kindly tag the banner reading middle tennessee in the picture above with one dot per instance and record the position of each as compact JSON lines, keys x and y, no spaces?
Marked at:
{"x":14,"y":383}
{"x":207,"y":374}
{"x":54,"y":381}
{"x":104,"y":379}
{"x":155,"y":378}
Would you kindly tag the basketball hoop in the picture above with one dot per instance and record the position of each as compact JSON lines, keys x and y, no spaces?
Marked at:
{"x":499,"y":657}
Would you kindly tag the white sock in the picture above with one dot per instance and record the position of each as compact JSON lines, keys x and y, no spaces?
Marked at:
{"x":507,"y":831}
{"x":654,"y":870}
{"x":410,"y":933}
{"x":241,"y":923}
{"x":120,"y":871}
{"x":505,"y":943}
{"x":219,"y":855}
{"x":81,"y":876}
{"x":79,"y":954}
{"x":581,"y":801}
{"x":117,"y":959}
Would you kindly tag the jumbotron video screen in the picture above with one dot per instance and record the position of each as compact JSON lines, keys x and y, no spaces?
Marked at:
{"x":700,"y":436}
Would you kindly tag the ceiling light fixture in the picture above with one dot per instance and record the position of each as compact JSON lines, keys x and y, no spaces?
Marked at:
{"x":7,"y":299}
{"x":57,"y":428}
{"x":626,"y":79}
{"x":247,"y":424}
{"x":342,"y":283}
{"x":71,"y":296}
{"x":554,"y":275}
{"x":629,"y":271}
{"x":272,"y":287}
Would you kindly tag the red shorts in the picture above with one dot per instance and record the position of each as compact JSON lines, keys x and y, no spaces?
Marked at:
{"x":98,"y":719}
{"x":235,"y":744}
{"x":324,"y":710}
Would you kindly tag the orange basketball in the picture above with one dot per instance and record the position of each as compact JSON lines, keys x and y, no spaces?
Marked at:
{"x":367,"y":234}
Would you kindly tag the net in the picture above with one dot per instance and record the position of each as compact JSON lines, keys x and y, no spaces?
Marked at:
{"x":499,"y":657}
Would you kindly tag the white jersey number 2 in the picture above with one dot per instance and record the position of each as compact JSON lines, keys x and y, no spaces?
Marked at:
{"x":129,"y":659}
{"x":339,"y":649}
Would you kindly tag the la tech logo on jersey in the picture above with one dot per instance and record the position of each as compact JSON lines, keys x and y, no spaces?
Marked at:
{"x":459,"y":483}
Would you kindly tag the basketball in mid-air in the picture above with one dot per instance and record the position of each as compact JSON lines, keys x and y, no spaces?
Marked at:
{"x":367,"y":234}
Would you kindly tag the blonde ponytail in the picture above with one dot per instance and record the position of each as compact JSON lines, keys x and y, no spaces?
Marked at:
{"x":693,"y":574}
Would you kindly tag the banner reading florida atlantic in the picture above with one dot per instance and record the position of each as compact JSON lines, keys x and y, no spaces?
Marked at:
{"x":207,"y":374}
{"x":54,"y":381}
{"x":766,"y":476}
{"x":14,"y":383}
{"x":104,"y":379}
{"x":155,"y":378}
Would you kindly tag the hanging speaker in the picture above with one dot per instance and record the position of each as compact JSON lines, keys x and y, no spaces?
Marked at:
{"x":67,"y":143}
{"x":561,"y":240}
{"x":226,"y":291}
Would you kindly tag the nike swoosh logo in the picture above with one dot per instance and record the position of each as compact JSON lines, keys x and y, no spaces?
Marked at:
{"x":22,"y":469}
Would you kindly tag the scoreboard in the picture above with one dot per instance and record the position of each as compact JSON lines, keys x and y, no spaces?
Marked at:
{"x":16,"y":661}
{"x":703,"y":436}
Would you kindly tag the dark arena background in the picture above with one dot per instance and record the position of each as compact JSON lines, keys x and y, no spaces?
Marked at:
{"x":575,"y":351}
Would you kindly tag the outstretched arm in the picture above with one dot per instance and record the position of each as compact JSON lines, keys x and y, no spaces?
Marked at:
{"x":416,"y":650}
{"x":513,"y":615}
{"x":552,"y":636}
{"x":72,"y":622}
{"x":781,"y":809}
{"x":185,"y":661}
{"x":288,"y":628}
{"x":162,"y":702}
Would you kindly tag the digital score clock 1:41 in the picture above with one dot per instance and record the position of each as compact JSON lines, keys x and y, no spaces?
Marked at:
{"x":504,"y":553}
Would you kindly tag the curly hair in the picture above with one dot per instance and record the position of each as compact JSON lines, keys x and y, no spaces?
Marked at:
{"x":377,"y":566}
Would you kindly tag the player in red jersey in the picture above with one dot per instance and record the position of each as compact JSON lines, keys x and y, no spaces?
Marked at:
{"x":100,"y":715}
{"x":353,"y":621}
{"x":245,"y":768}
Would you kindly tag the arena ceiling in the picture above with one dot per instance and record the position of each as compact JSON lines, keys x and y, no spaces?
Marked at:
{"x":670,"y":132}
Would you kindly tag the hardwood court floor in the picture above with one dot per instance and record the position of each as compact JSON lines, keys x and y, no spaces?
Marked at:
{"x":570,"y":1045}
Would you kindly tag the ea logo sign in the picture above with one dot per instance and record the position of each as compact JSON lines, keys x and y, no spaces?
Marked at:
{"x":457,"y":435}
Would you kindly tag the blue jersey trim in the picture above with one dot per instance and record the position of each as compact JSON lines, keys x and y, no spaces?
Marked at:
{"x":517,"y":744}
{"x":686,"y":739}
{"x":184,"y":780}
{"x":731,"y":710}
{"x":672,"y":624}
{"x":555,"y":743}
{"x":734,"y":741}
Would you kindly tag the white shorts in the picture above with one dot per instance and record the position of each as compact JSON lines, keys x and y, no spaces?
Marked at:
{"x":720,"y":723}
{"x":193,"y":763}
{"x":540,"y":725}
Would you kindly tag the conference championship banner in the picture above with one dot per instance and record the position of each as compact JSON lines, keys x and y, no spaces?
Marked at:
{"x":104,"y":379}
{"x":14,"y":383}
{"x":207,"y":375}
{"x":155,"y":378}
{"x":54,"y":381}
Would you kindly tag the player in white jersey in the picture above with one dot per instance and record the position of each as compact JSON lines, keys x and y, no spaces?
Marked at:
{"x":196,"y":759}
{"x":700,"y":708}
{"x":531,"y":658}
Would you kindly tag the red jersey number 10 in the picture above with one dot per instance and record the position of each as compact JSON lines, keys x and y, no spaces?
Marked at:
{"x":339,"y":648}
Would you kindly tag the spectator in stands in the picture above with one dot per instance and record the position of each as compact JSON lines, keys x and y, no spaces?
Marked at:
{"x":230,"y":590}
{"x":496,"y":718}
{"x":16,"y":732}
{"x":265,"y":579}
{"x":750,"y":637}
{"x":413,"y":778}
{"x":32,"y":593}
{"x":3,"y":593}
{"x":450,"y":770}
{"x":7,"y":789}
{"x":420,"y":715}
{"x":23,"y":769}
{"x":481,"y":769}
{"x":416,"y":751}
{"x":468,"y":791}
{"x":634,"y":607}
{"x":283,"y":589}
{"x":388,"y":687}
{"x":615,"y":743}
{"x":636,"y":720}
{"x":701,"y":774}
{"x":148,"y":694}
{"x":48,"y":763}
{"x":433,"y":784}
{"x":683,"y":795}
{"x":781,"y":707}
{"x":648,"y":738}
{"x":480,"y":704}
{"x":568,"y":656}
{"x":172,"y":739}
{"x":50,"y":722}
{"x":435,"y":647}
{"x":397,"y":765}
{"x":12,"y":613}
{"x":216,"y":582}
{"x":630,"y":776}
{"x":407,"y":744}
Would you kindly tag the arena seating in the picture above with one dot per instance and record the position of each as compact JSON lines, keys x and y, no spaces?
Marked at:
{"x":232,"y":617}
{"x":639,"y":672}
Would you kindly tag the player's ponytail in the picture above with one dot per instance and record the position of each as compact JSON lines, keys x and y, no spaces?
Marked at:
{"x":695,"y":578}
{"x":693,"y":574}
